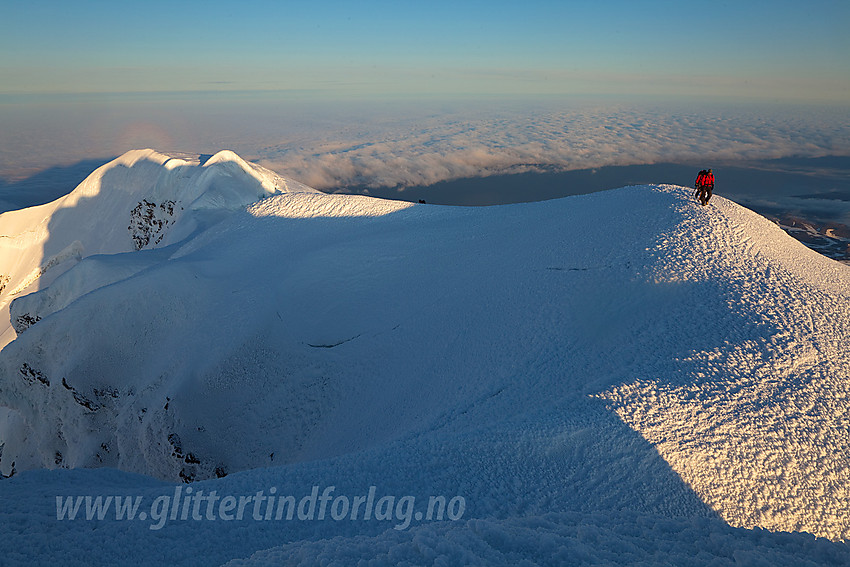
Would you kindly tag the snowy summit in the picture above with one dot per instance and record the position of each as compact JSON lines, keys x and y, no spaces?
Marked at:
{"x":618,"y":377}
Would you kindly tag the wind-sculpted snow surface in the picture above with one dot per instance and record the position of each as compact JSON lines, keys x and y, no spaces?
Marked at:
{"x":755,"y":423}
{"x":617,"y":377}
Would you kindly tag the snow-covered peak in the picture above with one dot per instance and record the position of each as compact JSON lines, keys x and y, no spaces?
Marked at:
{"x":223,"y":180}
{"x":143,"y":199}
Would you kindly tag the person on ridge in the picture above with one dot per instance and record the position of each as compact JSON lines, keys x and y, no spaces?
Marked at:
{"x":704,"y":186}
{"x":698,"y":184}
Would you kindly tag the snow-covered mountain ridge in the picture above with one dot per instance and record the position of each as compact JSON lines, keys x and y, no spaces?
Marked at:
{"x":621,"y":351}
{"x":143,"y":199}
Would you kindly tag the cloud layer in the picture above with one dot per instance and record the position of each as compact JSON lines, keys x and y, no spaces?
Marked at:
{"x":331,"y":145}
{"x":476,"y":143}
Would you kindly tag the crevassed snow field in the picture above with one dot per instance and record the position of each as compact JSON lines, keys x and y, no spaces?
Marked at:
{"x":617,"y":378}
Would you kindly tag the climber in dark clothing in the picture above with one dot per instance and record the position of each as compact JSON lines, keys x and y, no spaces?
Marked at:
{"x":704,"y":186}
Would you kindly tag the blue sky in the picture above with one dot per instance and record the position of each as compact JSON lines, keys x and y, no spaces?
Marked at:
{"x":764,"y":50}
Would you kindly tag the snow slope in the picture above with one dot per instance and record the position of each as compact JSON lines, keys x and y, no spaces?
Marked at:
{"x":616,"y":377}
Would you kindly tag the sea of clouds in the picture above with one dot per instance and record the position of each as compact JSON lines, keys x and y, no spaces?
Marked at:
{"x":479,"y":142}
{"x":400,"y":143}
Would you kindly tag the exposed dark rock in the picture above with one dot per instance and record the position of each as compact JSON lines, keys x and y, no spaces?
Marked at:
{"x":148,"y":222}
{"x":24,"y":322}
{"x":106,"y":392}
{"x":30,"y":374}
{"x":176,"y":445}
{"x":79,"y":398}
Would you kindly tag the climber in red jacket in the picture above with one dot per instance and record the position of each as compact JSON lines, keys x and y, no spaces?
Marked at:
{"x":704,"y":186}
